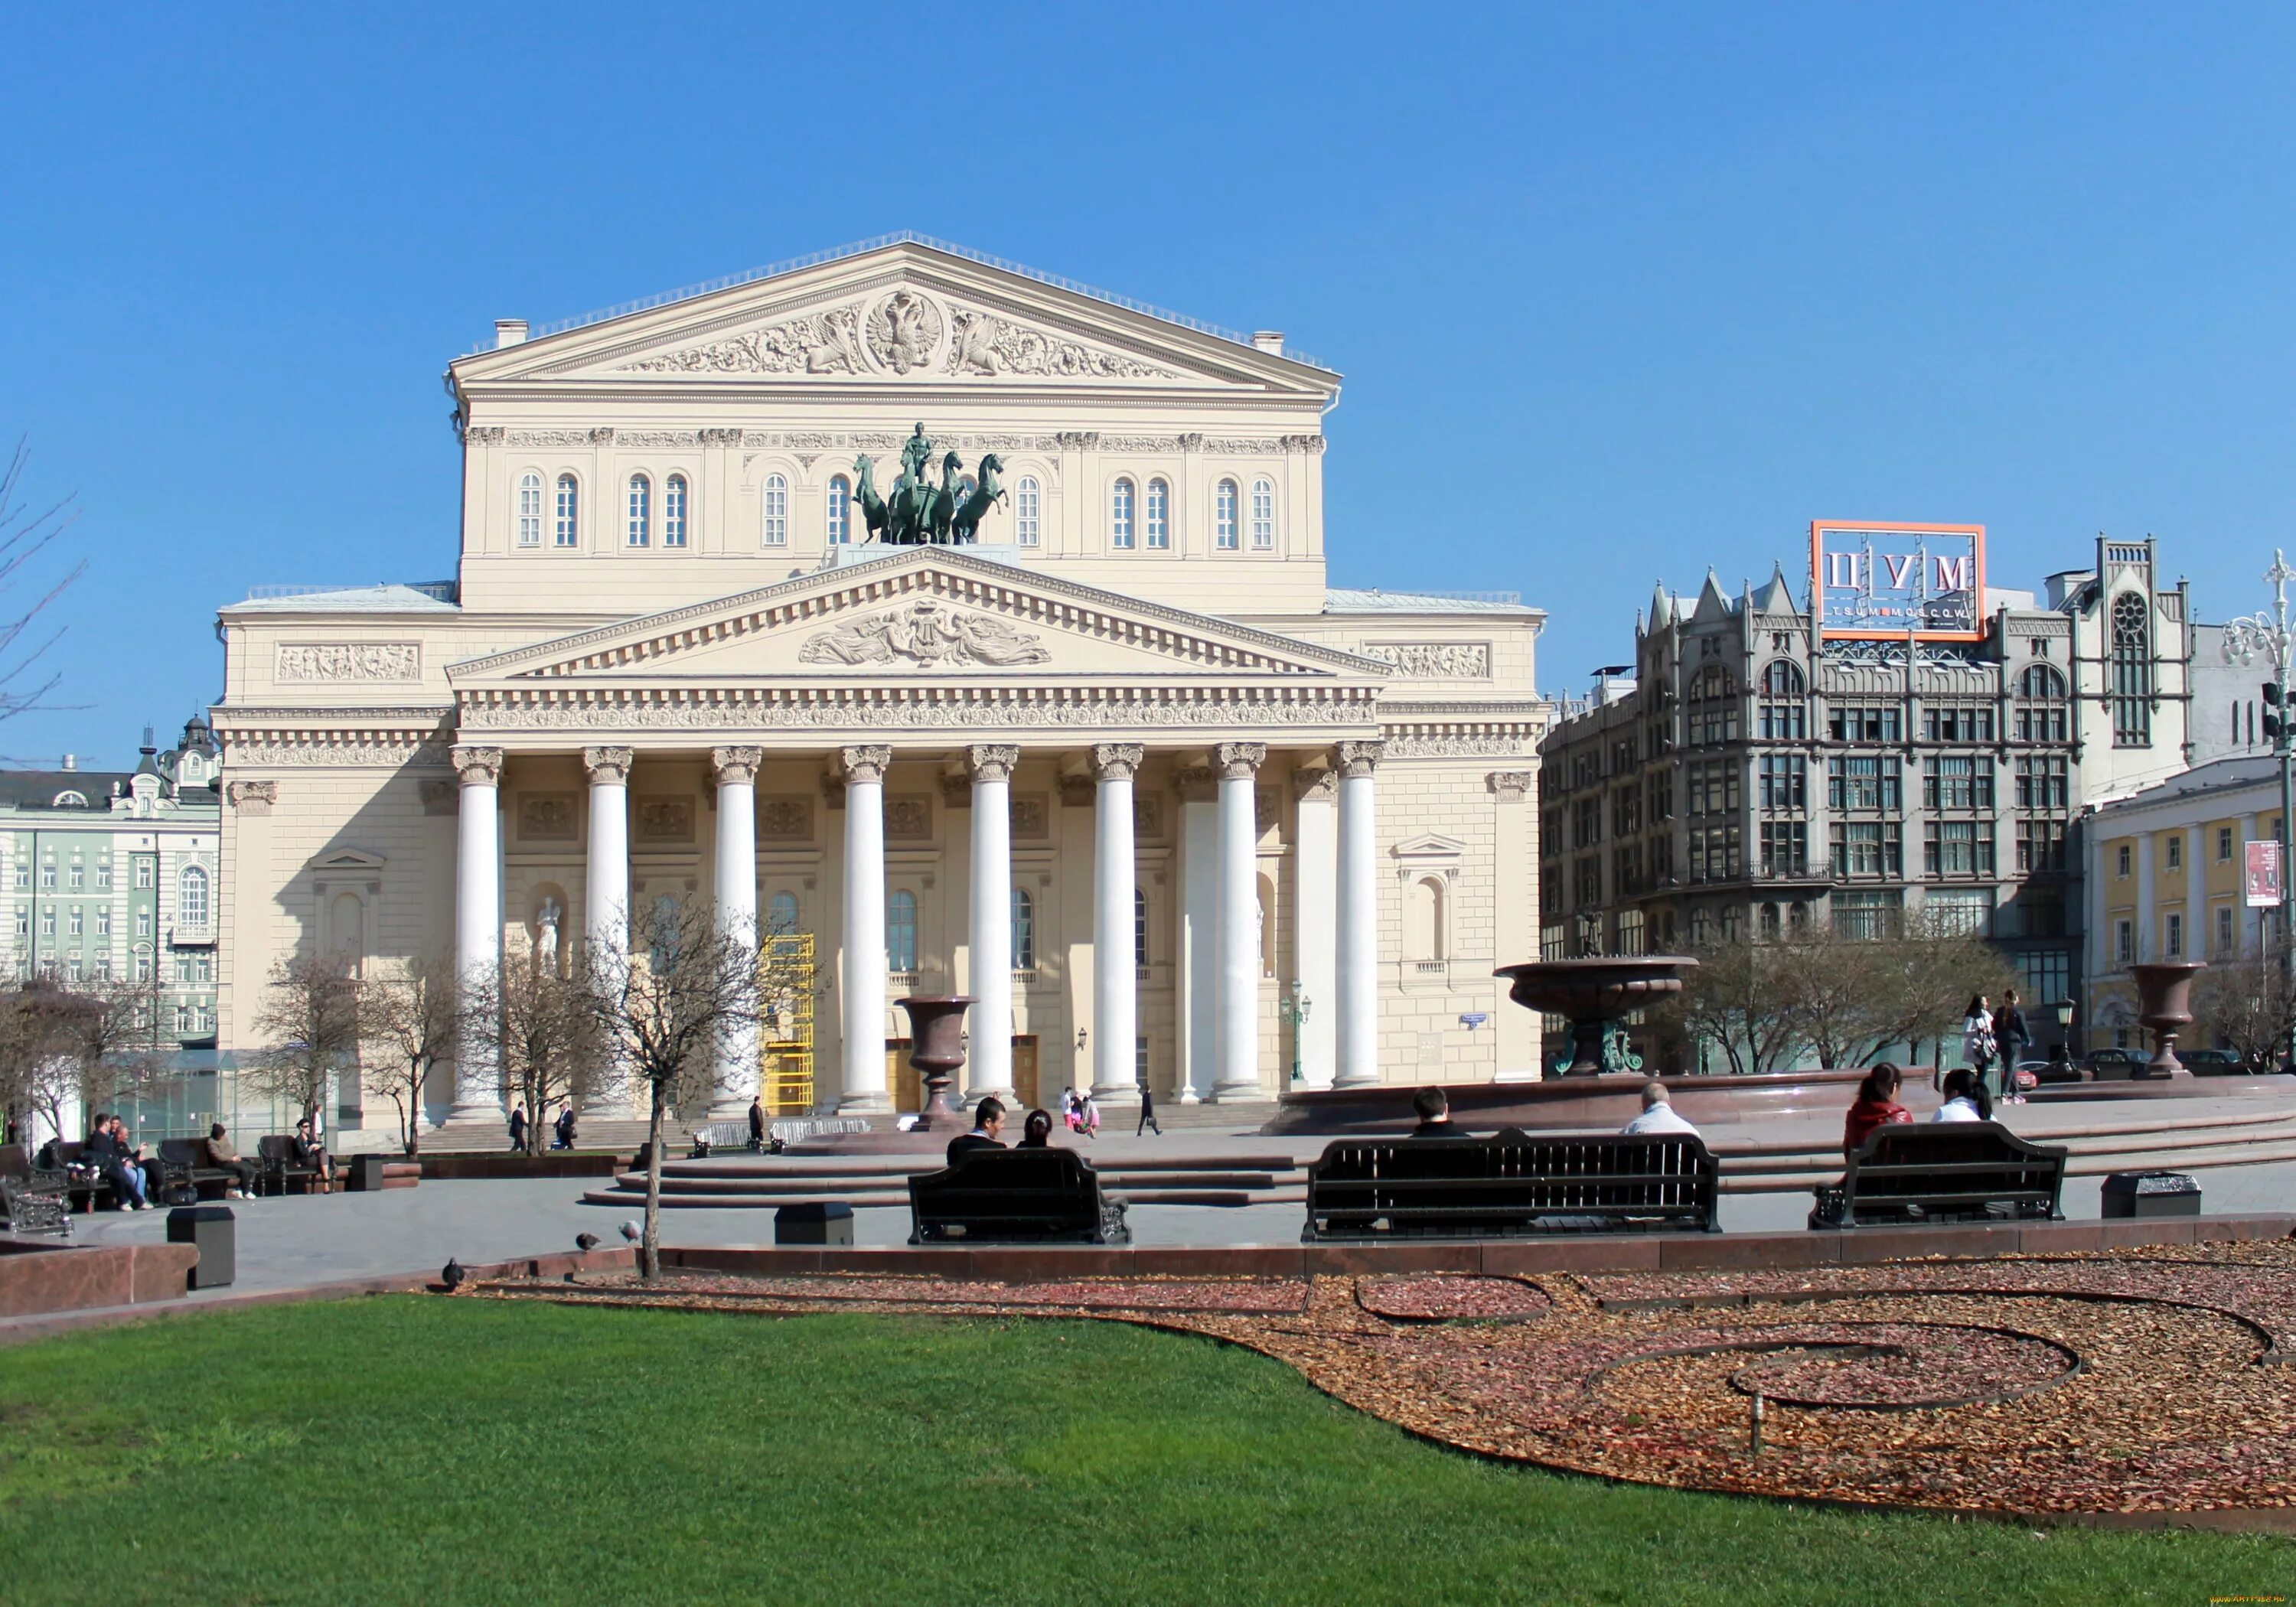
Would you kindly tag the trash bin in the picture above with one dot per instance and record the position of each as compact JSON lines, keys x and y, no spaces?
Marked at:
{"x":213,"y":1230}
{"x":826,"y":1222}
{"x":366,"y":1174}
{"x":2151,"y":1195}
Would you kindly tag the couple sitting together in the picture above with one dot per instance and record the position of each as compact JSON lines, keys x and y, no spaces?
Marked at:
{"x":988,"y":1125}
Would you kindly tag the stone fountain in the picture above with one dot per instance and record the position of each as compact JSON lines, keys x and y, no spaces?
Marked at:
{"x":1597,"y":995}
{"x":2164,"y":1002}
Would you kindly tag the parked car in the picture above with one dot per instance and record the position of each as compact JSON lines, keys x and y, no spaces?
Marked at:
{"x":2046,"y":1071}
{"x":2115,"y":1065}
{"x":2214,"y":1063}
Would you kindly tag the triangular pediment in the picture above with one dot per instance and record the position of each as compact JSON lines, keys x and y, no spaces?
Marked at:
{"x":1429,"y":846}
{"x":904,"y":314}
{"x":348,"y":859}
{"x":916,"y":614}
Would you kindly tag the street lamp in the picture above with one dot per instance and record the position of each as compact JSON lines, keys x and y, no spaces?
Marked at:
{"x":2267,"y":637}
{"x":1295,"y":1007}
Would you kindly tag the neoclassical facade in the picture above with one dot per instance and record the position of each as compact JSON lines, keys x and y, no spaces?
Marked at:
{"x":1213,"y":825}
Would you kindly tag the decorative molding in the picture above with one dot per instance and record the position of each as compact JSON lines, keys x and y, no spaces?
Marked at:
{"x":786,"y":817}
{"x":908,"y":817}
{"x":991,"y":761}
{"x":1266,"y":810}
{"x":1147,"y":815}
{"x":721,"y":437}
{"x":1434,"y":660}
{"x":439,"y":797}
{"x":361,"y":749}
{"x":904,"y":332}
{"x":863,"y":762}
{"x":1511,"y":786}
{"x":1316,"y":786}
{"x":1357,"y":760}
{"x":608,"y":766}
{"x":484,"y":435}
{"x":476,"y":766}
{"x":1031,"y":816}
{"x":550,"y":437}
{"x":735,"y":766}
{"x":982,"y":343}
{"x":1140,"y":443}
{"x":926,"y":633}
{"x":1077,"y":440}
{"x":663,"y":819}
{"x":1239,"y":761}
{"x":348,"y":661}
{"x":252,"y":797}
{"x":1196,"y":783}
{"x":548,"y":817}
{"x":1079,"y":791}
{"x":956,"y":791}
{"x":1117,"y":761}
{"x":1191,"y":440}
{"x":821,"y":342}
{"x":602,"y":435}
{"x":1461,"y":747}
{"x":658,"y":438}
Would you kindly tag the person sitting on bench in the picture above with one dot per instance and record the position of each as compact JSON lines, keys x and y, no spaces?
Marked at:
{"x":225,"y":1159}
{"x":310,"y":1153}
{"x":987,"y":1122}
{"x":1037,"y":1131}
{"x":1876,"y":1106}
{"x":1433,"y":1108}
{"x":1659,"y":1114}
{"x":1964,"y":1098}
{"x":106,"y":1154}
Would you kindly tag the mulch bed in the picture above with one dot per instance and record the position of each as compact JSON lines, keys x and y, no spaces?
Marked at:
{"x":2136,"y":1381}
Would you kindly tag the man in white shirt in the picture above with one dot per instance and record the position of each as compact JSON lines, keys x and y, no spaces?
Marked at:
{"x":1658,"y":1113}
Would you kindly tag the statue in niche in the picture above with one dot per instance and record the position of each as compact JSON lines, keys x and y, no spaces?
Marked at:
{"x":545,"y":935}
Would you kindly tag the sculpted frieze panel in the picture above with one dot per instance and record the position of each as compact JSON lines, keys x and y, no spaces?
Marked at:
{"x":1434,"y":660}
{"x":550,"y":437}
{"x":546,"y":817}
{"x":823,"y":342}
{"x":926,"y":633}
{"x":1461,"y":747}
{"x":785,"y":818}
{"x":983,"y":343}
{"x":319,"y":753}
{"x":664,"y":819}
{"x":333,"y":661}
{"x":908,"y":818}
{"x":658,"y":438}
{"x":1032,"y":816}
{"x":964,"y":715}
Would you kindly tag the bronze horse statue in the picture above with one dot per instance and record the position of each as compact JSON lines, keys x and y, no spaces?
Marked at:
{"x":872,"y":506}
{"x":964,"y":525}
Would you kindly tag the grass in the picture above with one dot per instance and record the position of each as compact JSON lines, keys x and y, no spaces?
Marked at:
{"x":416,"y":1449}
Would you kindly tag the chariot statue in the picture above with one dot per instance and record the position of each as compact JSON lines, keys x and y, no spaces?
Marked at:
{"x":923,"y":511}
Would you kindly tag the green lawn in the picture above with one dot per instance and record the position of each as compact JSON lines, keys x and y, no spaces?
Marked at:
{"x":413,"y":1449}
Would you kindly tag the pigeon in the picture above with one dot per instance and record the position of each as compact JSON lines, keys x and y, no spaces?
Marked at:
{"x":632,"y":1232}
{"x":586,"y":1242}
{"x":452,"y":1274}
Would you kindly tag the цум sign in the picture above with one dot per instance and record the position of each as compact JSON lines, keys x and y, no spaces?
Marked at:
{"x":1895,"y":580}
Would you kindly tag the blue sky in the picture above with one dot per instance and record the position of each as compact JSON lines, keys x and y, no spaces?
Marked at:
{"x":1619,"y":293}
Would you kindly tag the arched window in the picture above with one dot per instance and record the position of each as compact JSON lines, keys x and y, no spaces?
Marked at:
{"x":1224,"y":498}
{"x":1267,"y":927}
{"x":1026,"y":504}
{"x":2041,"y":705}
{"x":529,"y":510}
{"x":774,"y":503}
{"x":673,"y":512}
{"x":1159,"y":515}
{"x":901,"y":929}
{"x":1139,"y":928}
{"x":2132,"y":672}
{"x":641,"y":520}
{"x":1782,"y":678}
{"x":840,"y":511}
{"x":192,"y":897}
{"x":1119,"y":515}
{"x":1423,"y":926}
{"x":781,"y":916}
{"x":569,"y":532}
{"x":1263,"y":515}
{"x":1784,"y":714}
{"x":1024,"y":930}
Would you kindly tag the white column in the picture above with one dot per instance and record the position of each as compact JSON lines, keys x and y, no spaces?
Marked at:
{"x":988,"y":1058}
{"x":1315,"y":859}
{"x":2146,"y":917}
{"x":606,"y":902}
{"x":1237,"y":1007}
{"x":1115,"y":972}
{"x":864,"y":968}
{"x":736,"y":770}
{"x":478,"y":928}
{"x":1199,"y":924}
{"x":1358,"y":923}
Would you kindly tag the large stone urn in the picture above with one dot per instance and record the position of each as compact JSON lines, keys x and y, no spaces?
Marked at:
{"x":2164,"y":1002}
{"x":1597,"y":996}
{"x":937,"y":1049}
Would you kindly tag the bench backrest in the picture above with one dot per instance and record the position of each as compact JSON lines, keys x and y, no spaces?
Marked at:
{"x":1953,"y":1166}
{"x":68,"y":1151}
{"x":1512,"y":1178}
{"x":1040,"y":1190}
{"x":15,"y":1160}
{"x":276,"y":1146}
{"x":183,"y":1152}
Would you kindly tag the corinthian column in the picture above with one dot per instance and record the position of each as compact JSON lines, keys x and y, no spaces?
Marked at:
{"x":606,"y":898}
{"x":737,"y":773}
{"x":863,"y":970}
{"x":1237,"y":1028}
{"x":478,"y":929}
{"x":1115,"y":978}
{"x":1358,"y":934}
{"x":988,"y":1066}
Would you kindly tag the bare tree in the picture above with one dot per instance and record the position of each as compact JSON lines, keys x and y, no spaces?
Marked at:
{"x":113,"y":1035}
{"x":27,"y":530}
{"x":552,"y":1045}
{"x":38,"y":1076}
{"x":1851,"y":996}
{"x":412,"y":1016}
{"x":2246,"y":1004}
{"x":308,"y":1025}
{"x":1735,"y":1001}
{"x":666,"y":1011}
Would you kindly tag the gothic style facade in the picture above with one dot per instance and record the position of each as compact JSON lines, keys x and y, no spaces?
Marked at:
{"x":1213,"y":825}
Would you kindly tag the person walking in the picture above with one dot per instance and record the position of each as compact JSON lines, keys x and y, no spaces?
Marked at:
{"x":1147,"y":1112}
{"x":2015,"y":1038}
{"x":518,"y":1128}
{"x":1977,"y":1043}
{"x":758,"y":1124}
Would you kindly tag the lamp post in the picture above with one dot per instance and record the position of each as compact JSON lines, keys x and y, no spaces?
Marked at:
{"x":1296,"y":1006}
{"x":2267,"y":636}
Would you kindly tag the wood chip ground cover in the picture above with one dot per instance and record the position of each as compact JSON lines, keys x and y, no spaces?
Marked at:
{"x":2116,"y":1382}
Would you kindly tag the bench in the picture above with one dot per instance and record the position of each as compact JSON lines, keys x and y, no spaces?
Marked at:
{"x":183,"y":1163}
{"x":78,"y":1189}
{"x":32,"y":1201}
{"x":1045,"y":1196}
{"x":1511,"y":1184}
{"x":276,"y":1165}
{"x":1947,"y":1171}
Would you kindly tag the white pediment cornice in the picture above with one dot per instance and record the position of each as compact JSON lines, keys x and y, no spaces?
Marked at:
{"x":932,"y":612}
{"x":902,"y":315}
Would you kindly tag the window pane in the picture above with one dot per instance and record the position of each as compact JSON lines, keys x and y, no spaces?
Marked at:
{"x":1159,"y":514}
{"x":1119,"y":515}
{"x":1263,"y":515}
{"x":1024,"y":930}
{"x":776,"y":511}
{"x":641,"y":524}
{"x":673,"y":512}
{"x":840,"y":511}
{"x":569,"y":499}
{"x":1224,"y":516}
{"x":1025,"y":503}
{"x":901,"y":929}
{"x":529,"y":511}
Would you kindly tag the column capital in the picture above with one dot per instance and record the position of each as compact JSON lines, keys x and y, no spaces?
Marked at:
{"x":253,"y":796}
{"x":1118,"y":761}
{"x":735,"y":766}
{"x":608,"y":767}
{"x":1511,"y":786}
{"x":1079,"y":791}
{"x":991,"y":761}
{"x":864,"y":762}
{"x":1320,"y":786}
{"x":1239,"y":761}
{"x":476,"y":766}
{"x":1357,"y":760}
{"x":956,"y":791}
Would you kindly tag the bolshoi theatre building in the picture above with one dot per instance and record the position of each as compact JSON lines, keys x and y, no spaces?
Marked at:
{"x":965,"y":629}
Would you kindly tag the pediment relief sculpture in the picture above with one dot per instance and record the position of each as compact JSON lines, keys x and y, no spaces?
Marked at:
{"x":986,"y":344}
{"x":823,"y":342}
{"x":928,"y":634}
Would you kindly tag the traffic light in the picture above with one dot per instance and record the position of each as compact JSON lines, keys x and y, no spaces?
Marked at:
{"x":2273,"y":722}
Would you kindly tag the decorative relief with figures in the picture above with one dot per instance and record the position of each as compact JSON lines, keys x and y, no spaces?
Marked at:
{"x":1434,"y":660}
{"x":333,"y":661}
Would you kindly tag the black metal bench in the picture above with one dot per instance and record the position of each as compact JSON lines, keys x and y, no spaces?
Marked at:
{"x":1945,"y":1171}
{"x":1045,"y":1196}
{"x":80,"y":1188}
{"x":277,"y":1165}
{"x":183,"y":1163}
{"x":1510,"y":1186}
{"x":32,"y":1201}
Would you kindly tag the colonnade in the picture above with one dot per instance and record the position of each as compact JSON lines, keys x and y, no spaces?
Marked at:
{"x":861,"y":769}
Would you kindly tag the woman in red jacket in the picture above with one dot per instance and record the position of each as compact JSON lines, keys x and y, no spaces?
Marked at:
{"x":1877,"y":1106}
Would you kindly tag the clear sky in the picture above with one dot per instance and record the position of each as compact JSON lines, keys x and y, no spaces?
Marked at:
{"x":1619,"y":293}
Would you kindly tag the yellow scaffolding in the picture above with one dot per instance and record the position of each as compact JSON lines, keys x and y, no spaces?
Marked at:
{"x":785,"y":967}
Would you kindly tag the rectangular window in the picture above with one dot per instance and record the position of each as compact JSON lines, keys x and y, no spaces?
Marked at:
{"x":23,"y":877}
{"x":2120,"y":860}
{"x":1965,"y":912}
{"x":2048,"y":974}
{"x":2228,"y":943}
{"x":47,"y":878}
{"x":144,"y":873}
{"x":2040,"y":846}
{"x":566,"y":531}
{"x":76,"y":925}
{"x":1785,"y":848}
{"x":1954,"y":725}
{"x":1868,"y":916}
{"x":143,"y":923}
{"x":1864,"y":725}
{"x":641,"y":520}
{"x":1958,"y":847}
{"x":2175,"y":934}
{"x":673,"y":512}
{"x":23,"y":922}
{"x":2176,"y":845}
{"x":1951,"y":782}
{"x":48,"y":922}
{"x":76,"y":878}
{"x":2042,"y":784}
{"x":1225,"y":514}
{"x":2124,"y":941}
{"x":2223,"y":845}
{"x":1119,"y":516}
{"x":143,"y":968}
{"x":1863,"y":781}
{"x":1587,"y":822}
{"x":104,"y":877}
{"x":103,"y":923}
